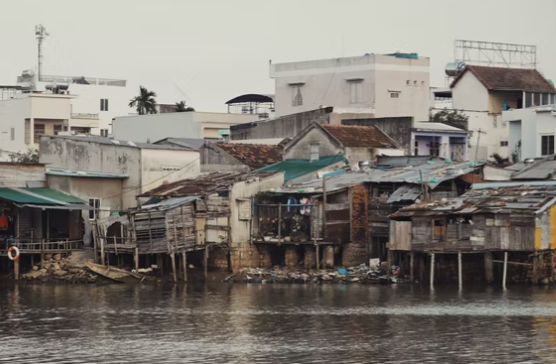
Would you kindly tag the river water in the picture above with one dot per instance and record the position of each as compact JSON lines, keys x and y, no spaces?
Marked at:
{"x":221,"y":323}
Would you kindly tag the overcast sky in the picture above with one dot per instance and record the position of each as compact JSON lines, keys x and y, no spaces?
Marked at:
{"x":207,"y":52}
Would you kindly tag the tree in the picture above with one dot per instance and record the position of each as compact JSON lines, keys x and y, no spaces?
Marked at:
{"x":451,"y":117}
{"x":182,"y":107}
{"x":145,"y":102}
{"x":29,"y":157}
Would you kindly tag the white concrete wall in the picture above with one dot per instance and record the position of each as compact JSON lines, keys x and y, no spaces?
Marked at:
{"x":17,"y":175}
{"x":522,"y":126}
{"x":87,"y":101}
{"x":302,"y":148}
{"x":241,"y":228}
{"x":545,"y":125}
{"x":409,"y":77}
{"x":142,"y":128}
{"x":95,"y":157}
{"x":470,"y":94}
{"x":327,"y":83}
{"x":49,"y":106}
{"x":12,"y":115}
{"x":160,"y":165}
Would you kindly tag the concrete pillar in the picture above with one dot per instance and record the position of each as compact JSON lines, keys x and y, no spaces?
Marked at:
{"x":292,"y":257}
{"x":488,"y":267}
{"x":355,"y":254}
{"x":328,"y":256}
{"x":310,"y":256}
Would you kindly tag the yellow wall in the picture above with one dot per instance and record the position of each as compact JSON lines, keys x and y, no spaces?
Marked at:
{"x":552,"y":226}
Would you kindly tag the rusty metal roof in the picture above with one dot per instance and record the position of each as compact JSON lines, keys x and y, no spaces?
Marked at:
{"x":520,"y":198}
{"x":254,"y":156}
{"x":203,"y":185}
{"x":360,"y":136}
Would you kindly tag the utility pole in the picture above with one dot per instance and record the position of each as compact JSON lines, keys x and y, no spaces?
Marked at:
{"x":40,"y":33}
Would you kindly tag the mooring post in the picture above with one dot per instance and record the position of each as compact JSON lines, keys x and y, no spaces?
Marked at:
{"x":505,"y":270}
{"x":173,"y":258}
{"x":137,"y":259}
{"x":432,"y":271}
{"x":460,"y":277}
{"x":411,"y":266}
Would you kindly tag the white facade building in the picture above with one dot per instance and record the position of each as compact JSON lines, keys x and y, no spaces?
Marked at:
{"x":26,"y":117}
{"x":532,"y":131}
{"x":387,"y":85}
{"x":97,"y":100}
{"x":196,"y":125}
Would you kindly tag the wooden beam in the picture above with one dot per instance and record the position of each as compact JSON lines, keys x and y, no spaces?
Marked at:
{"x":411,"y":266}
{"x":184,"y":262}
{"x":514,"y":263}
{"x":173,"y":258}
{"x":505,"y":274}
{"x":432,"y":271}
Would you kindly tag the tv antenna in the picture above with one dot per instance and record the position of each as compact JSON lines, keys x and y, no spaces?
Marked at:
{"x":40,"y":33}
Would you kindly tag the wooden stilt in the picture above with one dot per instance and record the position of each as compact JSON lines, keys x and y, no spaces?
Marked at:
{"x":136,"y":259}
{"x":421,"y":267}
{"x":460,"y":276}
{"x":432,"y":271}
{"x":535,"y":270}
{"x":184,"y":260}
{"x":504,"y":275}
{"x":552,"y":265}
{"x":16,"y":269}
{"x":173,"y":258}
{"x":206,"y":261}
{"x":389,"y":264}
{"x":411,"y":266}
{"x":488,"y":267}
{"x":32,"y":260}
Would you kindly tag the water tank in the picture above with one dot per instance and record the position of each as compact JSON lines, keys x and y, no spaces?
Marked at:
{"x":28,"y":73}
{"x":452,"y":69}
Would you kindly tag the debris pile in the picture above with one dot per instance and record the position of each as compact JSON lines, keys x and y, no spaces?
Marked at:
{"x":363,"y":273}
{"x":58,"y":268}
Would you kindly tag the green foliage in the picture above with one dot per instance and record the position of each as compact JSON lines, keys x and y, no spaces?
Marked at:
{"x":145,"y":102}
{"x":29,"y":157}
{"x":182,"y":107}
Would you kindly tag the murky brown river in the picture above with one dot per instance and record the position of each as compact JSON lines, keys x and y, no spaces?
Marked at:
{"x":275,"y":324}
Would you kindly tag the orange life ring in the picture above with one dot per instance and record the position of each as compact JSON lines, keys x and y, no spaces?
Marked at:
{"x":16,"y":257}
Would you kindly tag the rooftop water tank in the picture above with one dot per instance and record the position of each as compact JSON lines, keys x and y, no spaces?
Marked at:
{"x":453,"y":69}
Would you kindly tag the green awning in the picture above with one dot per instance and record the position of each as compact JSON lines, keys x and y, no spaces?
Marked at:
{"x":39,"y":196}
{"x":294,"y":168}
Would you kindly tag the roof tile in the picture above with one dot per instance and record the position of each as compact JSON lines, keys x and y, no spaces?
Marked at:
{"x":360,"y":136}
{"x":253,"y":155}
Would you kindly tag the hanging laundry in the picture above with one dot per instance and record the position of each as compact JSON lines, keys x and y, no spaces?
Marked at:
{"x":291,"y":201}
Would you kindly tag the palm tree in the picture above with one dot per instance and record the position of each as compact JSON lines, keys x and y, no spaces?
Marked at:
{"x":182,"y":107}
{"x":145,"y":102}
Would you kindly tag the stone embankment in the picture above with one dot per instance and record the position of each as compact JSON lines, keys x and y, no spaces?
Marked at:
{"x":57,"y":267}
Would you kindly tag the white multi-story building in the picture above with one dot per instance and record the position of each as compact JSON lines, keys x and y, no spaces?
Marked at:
{"x":26,"y":117}
{"x":97,"y":100}
{"x":390,"y":85}
{"x":483,"y":93}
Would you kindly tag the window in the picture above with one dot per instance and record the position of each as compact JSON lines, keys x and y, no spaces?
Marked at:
{"x":547,"y":144}
{"x":355,"y":92}
{"x":537,"y":99}
{"x":545,"y":99}
{"x":104,"y":133}
{"x":58,"y":128}
{"x":95,"y":204}
{"x":422,"y":83}
{"x":553,"y":98}
{"x":103,"y":104}
{"x":394,"y":95}
{"x":315,"y":149}
{"x":407,"y":82}
{"x":434,"y":148}
{"x":503,"y":144}
{"x":12,"y":134}
{"x":415,"y":83}
{"x":528,"y":99}
{"x":416,"y":149}
{"x":297,"y":98}
{"x":39,"y":130}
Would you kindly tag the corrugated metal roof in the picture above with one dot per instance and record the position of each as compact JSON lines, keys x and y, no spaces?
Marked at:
{"x":69,"y":173}
{"x":542,"y":169}
{"x":114,"y":142}
{"x":41,"y":196}
{"x":294,"y":168}
{"x":405,"y":193}
{"x":433,"y":173}
{"x":171,"y":203}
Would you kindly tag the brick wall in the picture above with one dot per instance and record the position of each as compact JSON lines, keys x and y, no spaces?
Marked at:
{"x":357,"y":250}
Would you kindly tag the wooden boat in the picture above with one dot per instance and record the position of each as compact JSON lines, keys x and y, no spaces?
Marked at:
{"x":113,"y":273}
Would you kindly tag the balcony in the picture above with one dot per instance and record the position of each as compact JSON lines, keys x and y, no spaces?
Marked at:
{"x":84,"y":120}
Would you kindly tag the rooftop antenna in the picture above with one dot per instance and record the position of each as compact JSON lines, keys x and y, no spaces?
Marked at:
{"x":40,"y":33}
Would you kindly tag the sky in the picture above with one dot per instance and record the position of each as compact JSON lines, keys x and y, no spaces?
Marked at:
{"x":207,"y":51}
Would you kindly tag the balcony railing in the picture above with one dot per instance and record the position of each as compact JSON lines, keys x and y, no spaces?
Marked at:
{"x":85,"y":116}
{"x":78,"y":80}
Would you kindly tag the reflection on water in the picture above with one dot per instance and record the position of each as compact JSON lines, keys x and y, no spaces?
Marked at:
{"x":275,"y":324}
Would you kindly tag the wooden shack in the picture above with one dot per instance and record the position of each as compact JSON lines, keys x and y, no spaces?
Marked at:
{"x":492,"y":218}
